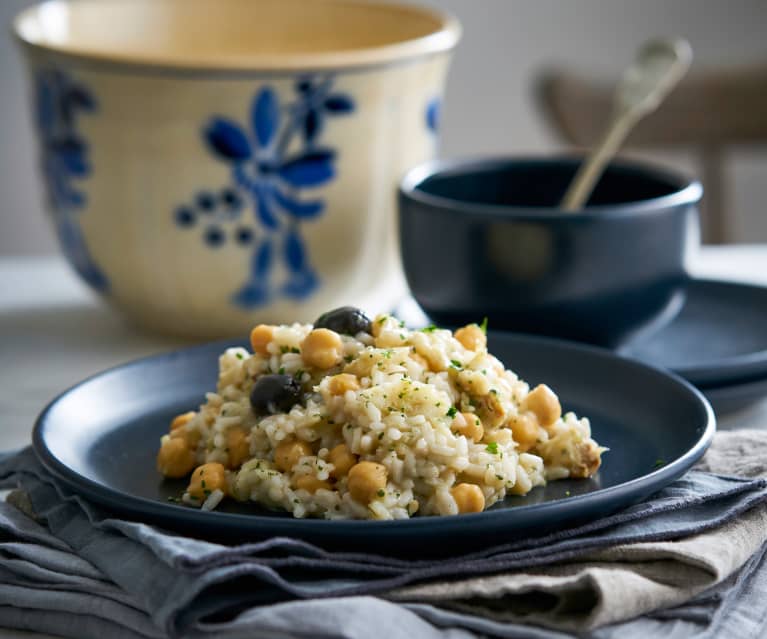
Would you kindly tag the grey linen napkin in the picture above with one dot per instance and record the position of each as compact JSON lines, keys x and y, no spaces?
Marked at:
{"x":698,"y":545}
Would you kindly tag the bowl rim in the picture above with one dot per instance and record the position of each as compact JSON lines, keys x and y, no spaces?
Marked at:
{"x":689,"y":189}
{"x":442,"y":39}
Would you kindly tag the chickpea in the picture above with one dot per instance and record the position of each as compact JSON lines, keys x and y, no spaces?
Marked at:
{"x":367,"y":480}
{"x":322,"y":348}
{"x":472,"y":337}
{"x":544,"y":403}
{"x":469,"y":425}
{"x":238,"y":448}
{"x":311,"y":484}
{"x":175,"y":458}
{"x":502,"y":436}
{"x":342,"y":458}
{"x":260,"y":337}
{"x":182,"y":420}
{"x":339,"y":384}
{"x":468,"y":497}
{"x":190,"y":437}
{"x":524,"y":428}
{"x":287,"y":454}
{"x":205,"y":479}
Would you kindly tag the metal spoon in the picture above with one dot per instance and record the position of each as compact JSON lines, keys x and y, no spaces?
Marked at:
{"x":659,"y":65}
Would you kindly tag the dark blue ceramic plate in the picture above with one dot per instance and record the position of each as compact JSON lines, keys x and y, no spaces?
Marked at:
{"x":717,"y":338}
{"x":100,"y":438}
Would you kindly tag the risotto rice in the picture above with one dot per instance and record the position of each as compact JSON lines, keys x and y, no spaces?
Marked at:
{"x":353,"y":418}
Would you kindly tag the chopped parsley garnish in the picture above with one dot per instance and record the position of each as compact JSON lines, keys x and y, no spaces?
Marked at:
{"x":240,"y":356}
{"x":299,"y":373}
{"x":282,"y":370}
{"x":387,"y":353}
{"x":295,"y":350}
{"x":499,"y":477}
{"x":492,"y":447}
{"x":381,"y":492}
{"x":402,"y":323}
{"x":284,"y":349}
{"x":659,"y":463}
{"x":429,"y":329}
{"x":567,"y":493}
{"x":348,"y":358}
{"x":380,"y":435}
{"x":402,"y":337}
{"x":383,"y":319}
{"x":483,"y":325}
{"x":452,"y":411}
{"x":456,"y":364}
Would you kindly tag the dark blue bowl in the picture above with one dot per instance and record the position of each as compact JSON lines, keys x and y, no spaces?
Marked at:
{"x":486,"y":238}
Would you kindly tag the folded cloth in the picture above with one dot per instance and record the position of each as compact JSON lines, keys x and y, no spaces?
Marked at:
{"x":688,"y":560}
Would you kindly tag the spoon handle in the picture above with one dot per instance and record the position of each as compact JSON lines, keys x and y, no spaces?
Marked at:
{"x":660,"y":64}
{"x":589,"y":171}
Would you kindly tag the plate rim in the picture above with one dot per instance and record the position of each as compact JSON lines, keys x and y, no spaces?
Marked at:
{"x":143,"y":506}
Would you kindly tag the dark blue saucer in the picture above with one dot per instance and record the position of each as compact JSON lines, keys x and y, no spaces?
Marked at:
{"x":100,"y":439}
{"x":732,"y":398}
{"x":718,"y":338}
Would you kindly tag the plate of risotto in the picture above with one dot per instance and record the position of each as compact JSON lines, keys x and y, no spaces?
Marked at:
{"x":357,"y":430}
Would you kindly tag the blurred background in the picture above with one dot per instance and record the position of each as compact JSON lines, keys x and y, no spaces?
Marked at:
{"x":492,"y":105}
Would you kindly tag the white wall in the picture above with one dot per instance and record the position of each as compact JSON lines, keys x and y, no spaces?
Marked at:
{"x":489,"y":107}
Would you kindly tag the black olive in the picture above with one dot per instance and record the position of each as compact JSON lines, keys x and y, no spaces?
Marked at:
{"x":346,"y":320}
{"x":275,"y":394}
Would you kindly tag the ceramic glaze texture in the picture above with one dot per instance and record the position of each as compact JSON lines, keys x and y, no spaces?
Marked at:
{"x":215,"y":198}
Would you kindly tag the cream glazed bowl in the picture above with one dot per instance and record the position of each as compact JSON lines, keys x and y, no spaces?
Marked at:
{"x":212,"y":164}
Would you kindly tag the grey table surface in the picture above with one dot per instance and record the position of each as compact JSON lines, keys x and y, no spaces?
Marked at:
{"x":55,"y":332}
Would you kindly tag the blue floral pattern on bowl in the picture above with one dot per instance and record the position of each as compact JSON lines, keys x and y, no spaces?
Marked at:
{"x":433,"y":114}
{"x":277,"y":163}
{"x":59,"y":101}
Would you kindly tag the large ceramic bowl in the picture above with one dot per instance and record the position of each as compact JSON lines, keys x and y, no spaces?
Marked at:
{"x":211,"y":164}
{"x":486,"y":238}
